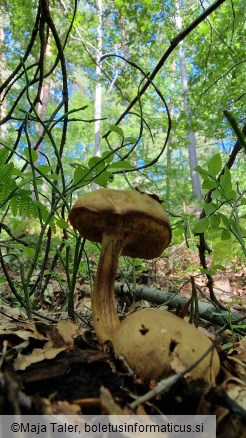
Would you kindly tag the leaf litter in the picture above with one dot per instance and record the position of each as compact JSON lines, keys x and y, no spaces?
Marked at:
{"x":40,"y":354}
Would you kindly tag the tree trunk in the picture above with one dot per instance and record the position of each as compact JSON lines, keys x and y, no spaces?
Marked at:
{"x":192,"y":148}
{"x":98,"y":90}
{"x":46,"y":91}
{"x":169,"y":147}
{"x":3,"y":77}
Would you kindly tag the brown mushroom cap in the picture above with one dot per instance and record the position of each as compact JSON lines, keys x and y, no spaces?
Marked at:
{"x":156,"y":343}
{"x":135,"y":214}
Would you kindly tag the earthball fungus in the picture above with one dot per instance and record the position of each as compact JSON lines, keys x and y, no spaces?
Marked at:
{"x":156,"y":343}
{"x":125,"y":222}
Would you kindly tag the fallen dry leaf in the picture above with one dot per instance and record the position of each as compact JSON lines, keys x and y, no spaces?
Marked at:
{"x":67,"y":330}
{"x":237,"y":354}
{"x":236,"y":390}
{"x":37,"y":355}
{"x":238,"y":394}
{"x":242,"y":343}
{"x":23,"y":330}
{"x":12,"y":312}
{"x":112,"y":407}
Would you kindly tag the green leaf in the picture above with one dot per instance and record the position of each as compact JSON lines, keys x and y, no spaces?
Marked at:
{"x":44,"y":169}
{"x":225,"y":220}
{"x":108,"y":157}
{"x":225,"y":235}
{"x":225,"y":180}
{"x":207,"y":184}
{"x":201,"y":225}
{"x":18,"y":172}
{"x":234,"y":225}
{"x":3,"y":280}
{"x":29,"y":252}
{"x":3,"y":155}
{"x":201,"y":171}
{"x":215,"y":221}
{"x":230,"y":194}
{"x":39,"y":181}
{"x":22,"y":203}
{"x":130,"y":140}
{"x":80,"y":174}
{"x":117,"y":129}
{"x":215,"y":165}
{"x":54,"y":176}
{"x":104,"y":178}
{"x":97,"y":163}
{"x":48,"y":272}
{"x":62,"y":224}
{"x":34,"y":154}
{"x":207,"y":271}
{"x":24,"y":192}
{"x":216,"y":194}
{"x":120,"y":165}
{"x":75,"y":165}
{"x":27,"y":175}
{"x":209,"y":208}
{"x":219,"y":267}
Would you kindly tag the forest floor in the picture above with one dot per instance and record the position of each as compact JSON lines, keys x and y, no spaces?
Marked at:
{"x":56,"y":366}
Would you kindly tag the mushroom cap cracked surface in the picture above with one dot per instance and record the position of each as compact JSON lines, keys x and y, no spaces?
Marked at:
{"x":156,"y":344}
{"x":130,"y":213}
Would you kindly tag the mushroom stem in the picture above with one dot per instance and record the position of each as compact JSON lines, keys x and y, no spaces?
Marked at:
{"x":104,"y":313}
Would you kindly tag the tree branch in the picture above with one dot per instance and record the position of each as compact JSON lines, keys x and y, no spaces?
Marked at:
{"x":173,"y":44}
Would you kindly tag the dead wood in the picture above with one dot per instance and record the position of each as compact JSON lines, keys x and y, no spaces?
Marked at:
{"x":173,"y":300}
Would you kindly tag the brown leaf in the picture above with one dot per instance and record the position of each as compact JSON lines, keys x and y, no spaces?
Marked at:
{"x":23,"y":330}
{"x":242,"y":343}
{"x":67,"y":331}
{"x":37,"y":355}
{"x":238,"y":394}
{"x":12,"y":312}
{"x":108,"y":402}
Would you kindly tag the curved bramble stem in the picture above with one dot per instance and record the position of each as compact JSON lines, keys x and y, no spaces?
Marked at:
{"x":104,"y":313}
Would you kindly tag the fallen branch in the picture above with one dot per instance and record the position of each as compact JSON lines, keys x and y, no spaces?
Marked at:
{"x":173,"y":300}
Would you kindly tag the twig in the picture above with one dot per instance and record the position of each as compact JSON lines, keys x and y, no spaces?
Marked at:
{"x":208,"y":312}
{"x":8,"y":230}
{"x":220,"y":397}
